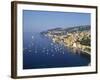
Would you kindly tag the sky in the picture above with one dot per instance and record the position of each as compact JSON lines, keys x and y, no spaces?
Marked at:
{"x":38,"y":21}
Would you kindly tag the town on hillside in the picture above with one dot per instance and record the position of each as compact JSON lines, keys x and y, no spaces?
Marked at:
{"x":78,"y":37}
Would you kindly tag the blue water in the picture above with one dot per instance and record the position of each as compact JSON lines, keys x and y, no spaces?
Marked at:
{"x":40,"y":52}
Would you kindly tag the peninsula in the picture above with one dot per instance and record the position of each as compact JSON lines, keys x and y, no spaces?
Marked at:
{"x":77,"y":37}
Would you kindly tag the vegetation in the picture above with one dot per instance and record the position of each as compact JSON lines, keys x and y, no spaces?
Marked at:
{"x":75,"y":37}
{"x":85,"y":41}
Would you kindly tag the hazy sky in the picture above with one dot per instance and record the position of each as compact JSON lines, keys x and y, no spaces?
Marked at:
{"x":37,"y":21}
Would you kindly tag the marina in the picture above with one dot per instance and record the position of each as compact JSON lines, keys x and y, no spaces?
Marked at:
{"x":47,"y":54}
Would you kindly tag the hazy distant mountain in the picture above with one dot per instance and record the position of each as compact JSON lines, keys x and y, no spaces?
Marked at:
{"x":78,"y":28}
{"x":70,"y":29}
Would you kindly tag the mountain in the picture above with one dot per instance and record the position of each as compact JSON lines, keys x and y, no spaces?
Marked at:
{"x":69,"y":29}
{"x":78,"y":28}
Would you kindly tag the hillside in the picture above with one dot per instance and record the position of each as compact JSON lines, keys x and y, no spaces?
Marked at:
{"x":69,"y":29}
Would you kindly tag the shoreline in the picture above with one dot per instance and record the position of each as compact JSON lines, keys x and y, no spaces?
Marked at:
{"x":72,"y":47}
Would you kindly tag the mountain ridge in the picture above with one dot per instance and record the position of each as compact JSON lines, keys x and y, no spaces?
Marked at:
{"x":69,"y":29}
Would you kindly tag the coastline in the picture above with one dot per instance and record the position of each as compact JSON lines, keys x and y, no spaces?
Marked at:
{"x":71,"y":44}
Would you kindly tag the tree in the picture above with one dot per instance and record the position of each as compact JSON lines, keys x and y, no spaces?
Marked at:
{"x":85,"y":41}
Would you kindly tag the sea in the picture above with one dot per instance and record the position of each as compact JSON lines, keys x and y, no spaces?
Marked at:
{"x":40,"y":51}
